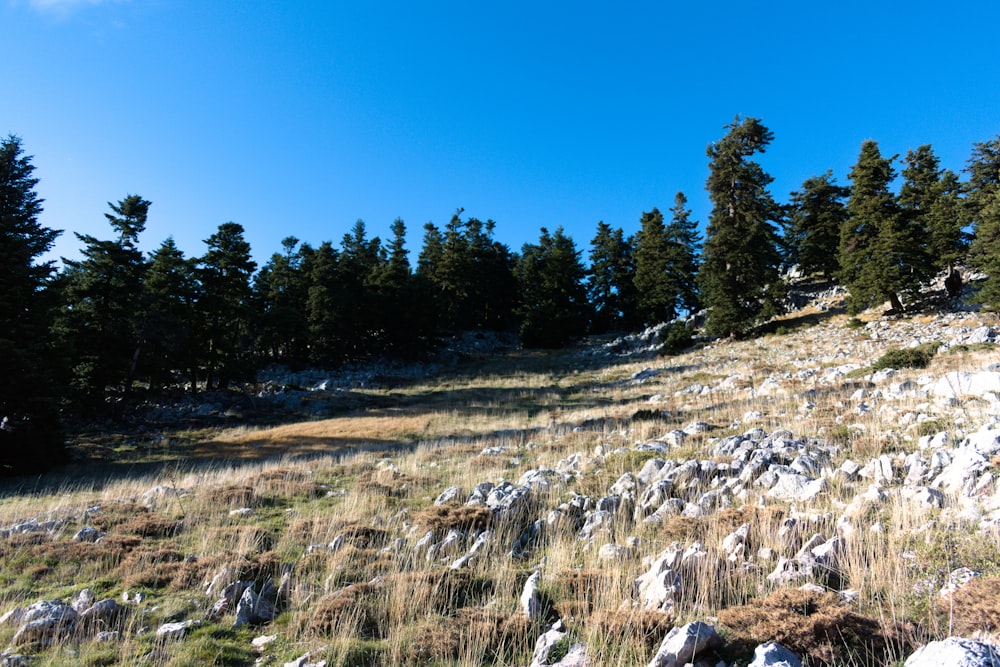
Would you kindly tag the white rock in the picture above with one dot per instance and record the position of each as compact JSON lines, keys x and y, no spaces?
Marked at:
{"x":684,"y":644}
{"x":773,"y":654}
{"x":531,"y":605}
{"x":954,"y":652}
{"x":173,"y":630}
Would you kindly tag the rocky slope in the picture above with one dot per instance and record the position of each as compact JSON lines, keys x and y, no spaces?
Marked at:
{"x":791,"y":499}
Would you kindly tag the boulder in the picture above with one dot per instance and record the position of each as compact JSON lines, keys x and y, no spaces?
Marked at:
{"x":773,"y":654}
{"x":684,"y":644}
{"x":531,"y":604}
{"x":954,"y":652}
{"x":44,"y":621}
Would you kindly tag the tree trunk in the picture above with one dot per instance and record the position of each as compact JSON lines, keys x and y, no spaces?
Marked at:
{"x":897,"y":305}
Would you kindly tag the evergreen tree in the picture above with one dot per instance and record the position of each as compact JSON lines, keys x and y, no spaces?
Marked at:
{"x":554,"y":307}
{"x":360,"y":262}
{"x":30,"y":433}
{"x":739,"y":277}
{"x":817,"y":212}
{"x":470,"y":275}
{"x":881,"y":252}
{"x":102,"y":319}
{"x":281,"y":291}
{"x":931,"y":203}
{"x":984,"y":210}
{"x":685,"y":243}
{"x":168,"y":330}
{"x":610,"y":281}
{"x":226,"y":308}
{"x":323,"y":314}
{"x":657,"y":294}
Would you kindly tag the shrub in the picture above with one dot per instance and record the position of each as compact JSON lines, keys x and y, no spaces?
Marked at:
{"x":676,"y":339}
{"x":974,"y":607}
{"x":911,"y":357}
{"x":817,"y":626}
{"x":854,"y":323}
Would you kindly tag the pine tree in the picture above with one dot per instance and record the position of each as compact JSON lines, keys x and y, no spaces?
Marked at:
{"x":281,"y":289}
{"x":553,"y":307}
{"x":360,"y":262}
{"x":30,"y":432}
{"x":226,"y":308}
{"x":984,"y":210}
{"x":657,"y":293}
{"x":610,"y":281}
{"x":931,"y":203}
{"x":169,"y":326}
{"x":102,"y":318}
{"x":881,"y":252}
{"x":685,"y":243}
{"x":323,"y":314}
{"x":817,"y":212}
{"x":739,"y":277}
{"x":469,"y":274}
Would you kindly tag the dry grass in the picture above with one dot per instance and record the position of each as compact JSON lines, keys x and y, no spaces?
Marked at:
{"x":368,"y":479}
{"x":814,"y":625}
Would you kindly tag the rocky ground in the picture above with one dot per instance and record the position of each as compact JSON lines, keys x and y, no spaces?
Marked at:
{"x":825,"y":494}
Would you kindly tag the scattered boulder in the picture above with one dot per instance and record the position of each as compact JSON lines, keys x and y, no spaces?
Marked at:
{"x":684,"y":644}
{"x":954,"y":652}
{"x":45,"y":621}
{"x":773,"y":654}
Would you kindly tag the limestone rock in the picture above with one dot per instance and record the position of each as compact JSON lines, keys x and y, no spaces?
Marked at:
{"x":684,"y":644}
{"x":954,"y":652}
{"x":773,"y":654}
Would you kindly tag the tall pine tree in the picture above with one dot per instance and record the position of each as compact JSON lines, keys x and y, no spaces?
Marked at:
{"x":739,"y":277}
{"x":226,"y":308}
{"x":30,"y":433}
{"x":817,"y":212}
{"x":102,"y":318}
{"x":882,"y":254}
{"x":554,"y":307}
{"x":984,"y":210}
{"x":610,"y":280}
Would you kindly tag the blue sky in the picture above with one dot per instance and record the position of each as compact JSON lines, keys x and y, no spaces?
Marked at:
{"x":300,"y":118}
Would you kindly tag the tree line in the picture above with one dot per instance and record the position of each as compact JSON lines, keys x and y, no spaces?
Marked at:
{"x":83,"y":338}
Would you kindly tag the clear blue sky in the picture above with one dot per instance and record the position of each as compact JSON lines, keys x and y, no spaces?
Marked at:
{"x":299,"y":118}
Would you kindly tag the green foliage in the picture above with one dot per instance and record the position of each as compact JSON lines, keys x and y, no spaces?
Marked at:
{"x":812,"y":233}
{"x":676,"y":339}
{"x":610,"y":281}
{"x":666,"y":264}
{"x":931,"y":202}
{"x":469,"y":275}
{"x":855,"y":323}
{"x":882,"y":254}
{"x":911,"y":357}
{"x":739,"y":273}
{"x":554,"y":308}
{"x":984,"y":204}
{"x":226,"y":308}
{"x":101,"y":321}
{"x":31,"y":437}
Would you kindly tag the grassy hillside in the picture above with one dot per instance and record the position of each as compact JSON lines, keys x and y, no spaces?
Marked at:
{"x":736,"y":455}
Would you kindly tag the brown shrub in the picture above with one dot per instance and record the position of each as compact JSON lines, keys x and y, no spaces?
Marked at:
{"x":622,"y":626}
{"x":442,"y":590}
{"x":151,"y":566}
{"x":353,"y":610}
{"x":974,"y":607}
{"x":232,"y":497}
{"x":491,"y":638}
{"x":682,"y":529}
{"x":431,"y":640}
{"x":814,"y":625}
{"x":442,"y":518}
{"x":111,"y":515}
{"x":148,"y":524}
